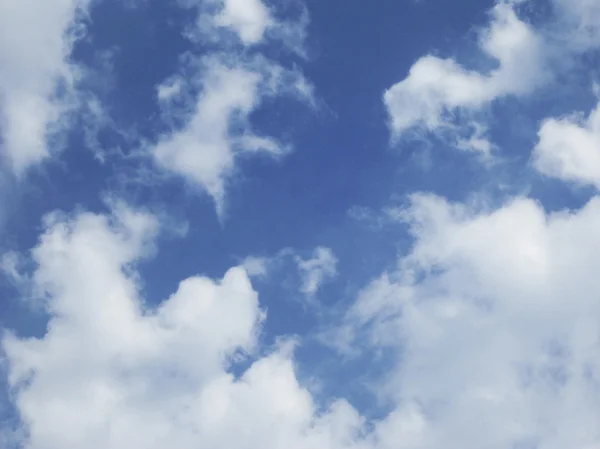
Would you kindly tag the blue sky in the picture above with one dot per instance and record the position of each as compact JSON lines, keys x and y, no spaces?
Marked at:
{"x":299,"y":224}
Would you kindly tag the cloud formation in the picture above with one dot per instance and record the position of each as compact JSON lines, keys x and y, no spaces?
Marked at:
{"x":37,"y":77}
{"x":439,"y":94}
{"x":317,"y":269}
{"x":218,"y":130}
{"x":110,"y":371}
{"x":488,"y":326}
{"x":569,"y":149}
{"x":247,"y":19}
{"x":493,"y":315}
{"x":223,"y":89}
{"x":436,"y":89}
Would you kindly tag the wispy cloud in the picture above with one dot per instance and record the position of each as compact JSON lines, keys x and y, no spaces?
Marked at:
{"x":204,"y":151}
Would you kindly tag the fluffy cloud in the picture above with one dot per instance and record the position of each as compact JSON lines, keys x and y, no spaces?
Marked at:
{"x":493,"y":313}
{"x":36,"y":75}
{"x":494,"y":318}
{"x":569,"y":149}
{"x":205,"y":149}
{"x":491,"y":320}
{"x":111,"y":371}
{"x":249,"y":20}
{"x":436,"y":88}
{"x":438,"y":93}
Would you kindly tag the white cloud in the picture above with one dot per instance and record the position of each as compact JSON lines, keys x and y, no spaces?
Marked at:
{"x":256,"y":266}
{"x":582,"y":20}
{"x":112,"y":372}
{"x":569,"y":149}
{"x":250,"y":22}
{"x":167,"y":91}
{"x":494,"y":318}
{"x":205,"y":149}
{"x":435,"y":89}
{"x":36,"y":38}
{"x":439,"y":93}
{"x":317,"y":270}
{"x":231,"y":87}
{"x":248,"y":18}
{"x":494,"y":313}
{"x":476,"y":141}
{"x":9,"y":265}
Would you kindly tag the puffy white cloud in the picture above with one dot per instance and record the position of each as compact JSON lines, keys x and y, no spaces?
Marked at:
{"x":112,"y":371}
{"x":569,"y":149}
{"x":205,"y":149}
{"x":435,"y":88}
{"x":493,"y":313}
{"x":316,"y":270}
{"x":494,"y":317}
{"x":438,"y":93}
{"x":250,"y":22}
{"x":248,"y":18}
{"x":36,"y":75}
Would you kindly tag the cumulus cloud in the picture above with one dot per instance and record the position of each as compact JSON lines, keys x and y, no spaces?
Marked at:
{"x":569,"y":149}
{"x":438,"y":93}
{"x":204,"y":150}
{"x":490,"y":321}
{"x":247,"y":19}
{"x":112,"y":371}
{"x":36,"y":75}
{"x":435,"y":88}
{"x":249,"y":23}
{"x":493,"y":315}
{"x":321,"y":267}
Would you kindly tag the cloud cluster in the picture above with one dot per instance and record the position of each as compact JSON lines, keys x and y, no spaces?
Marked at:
{"x":204,"y":150}
{"x":494,"y":319}
{"x":489,"y":324}
{"x":37,"y":77}
{"x":440,"y":94}
{"x":569,"y":149}
{"x":248,"y":20}
{"x":436,"y":88}
{"x":112,"y":372}
{"x":225,"y":89}
{"x":251,"y":23}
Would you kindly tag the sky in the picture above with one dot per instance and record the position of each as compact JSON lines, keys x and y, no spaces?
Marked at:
{"x":299,"y":224}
